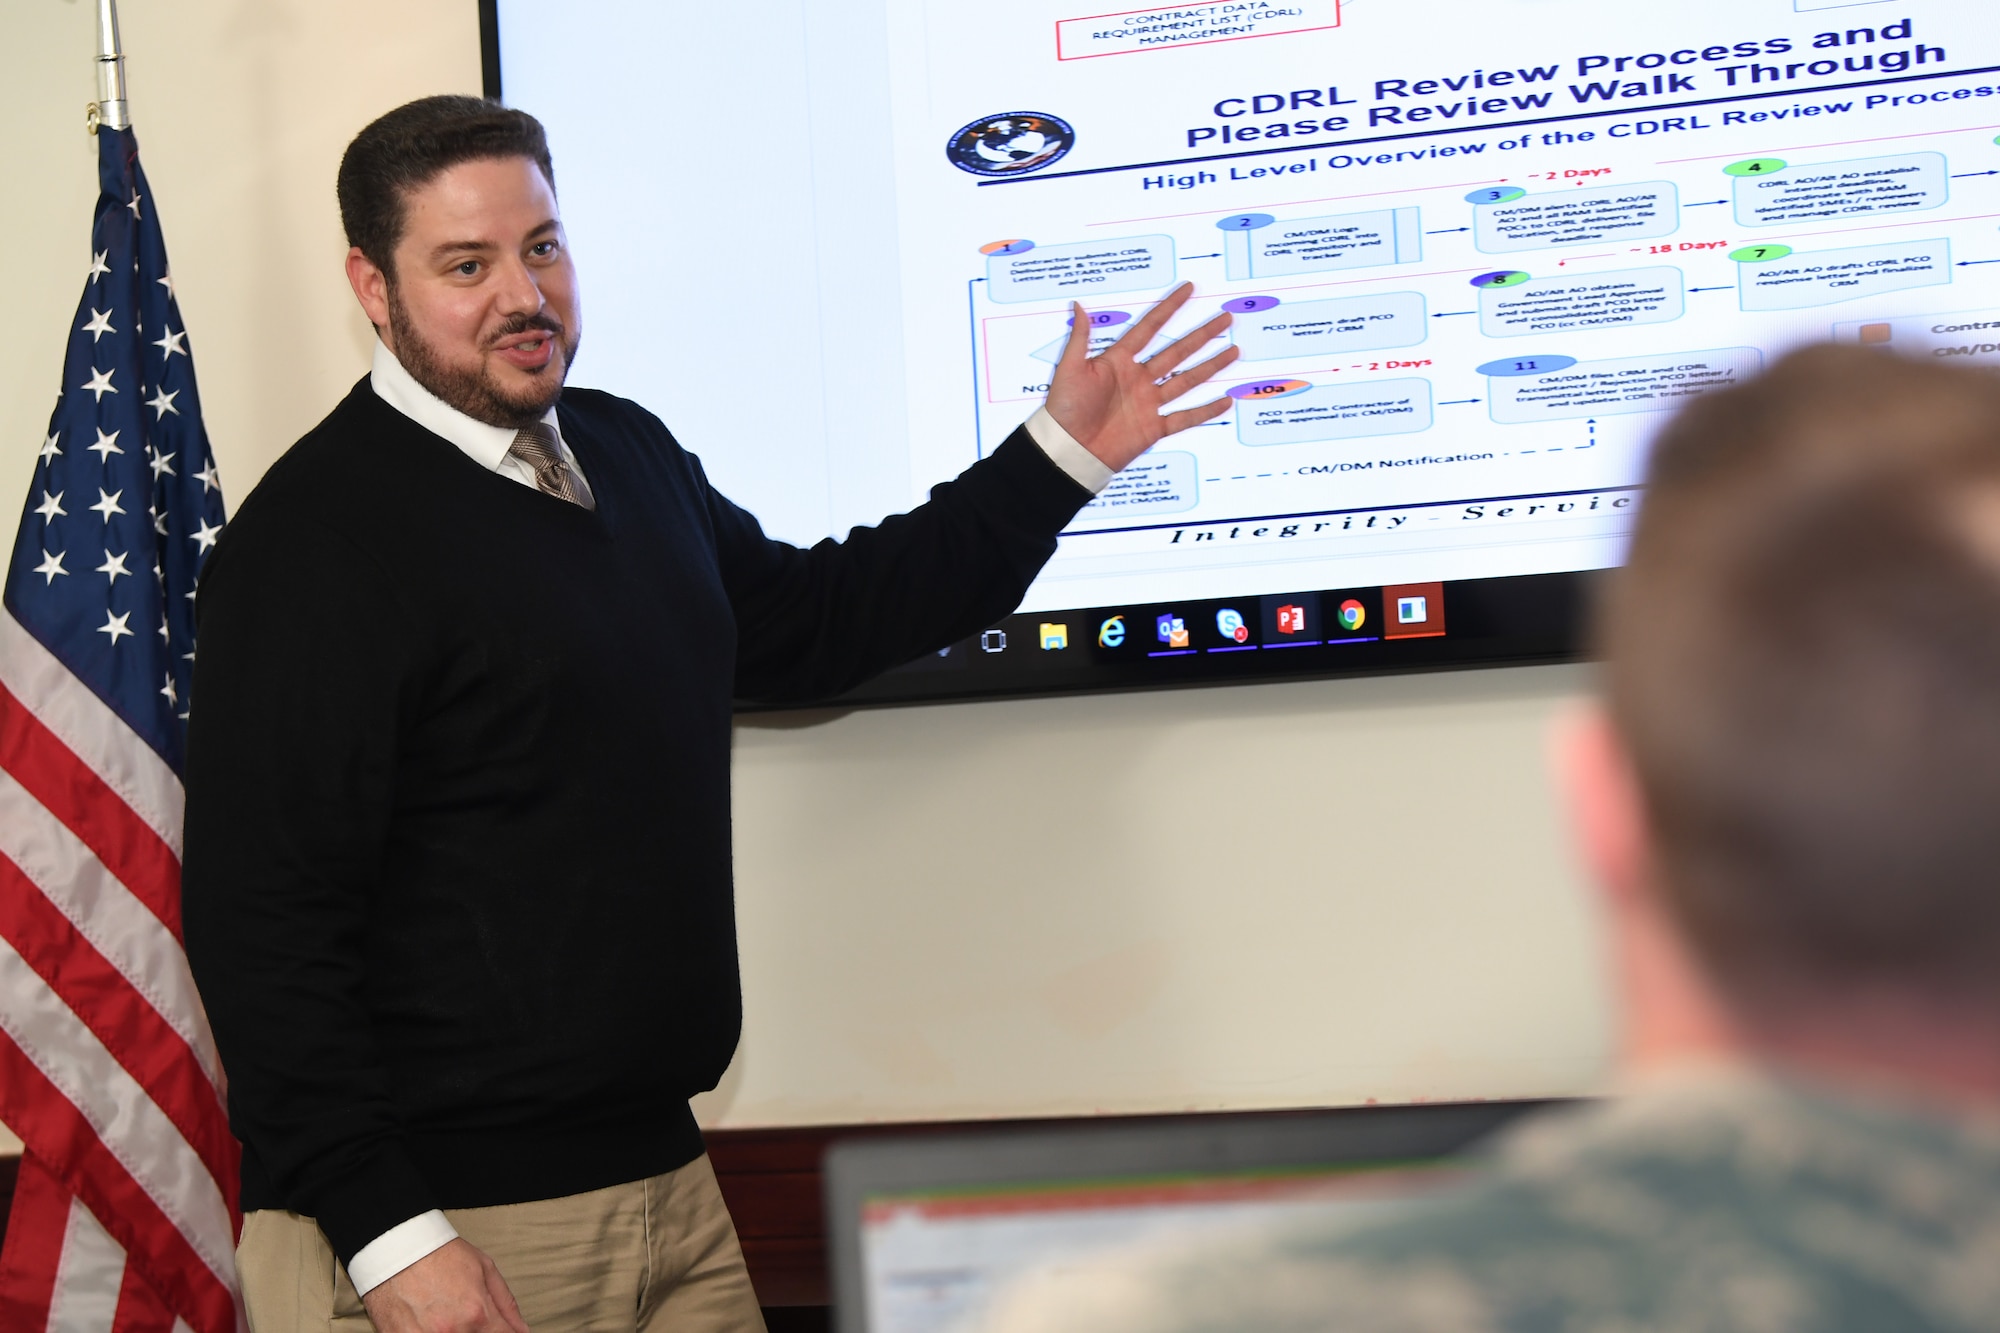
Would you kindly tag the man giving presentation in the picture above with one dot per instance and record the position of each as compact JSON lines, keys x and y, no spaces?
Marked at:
{"x":457,"y":847}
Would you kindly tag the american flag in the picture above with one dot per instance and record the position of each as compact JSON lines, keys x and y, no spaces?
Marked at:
{"x":125,"y":1216}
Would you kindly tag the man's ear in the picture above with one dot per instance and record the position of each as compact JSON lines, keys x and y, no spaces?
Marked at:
{"x":1672,"y":1012}
{"x":1607,"y":812}
{"x":371,"y":287}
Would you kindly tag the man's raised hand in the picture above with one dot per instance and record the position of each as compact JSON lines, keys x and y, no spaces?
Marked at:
{"x":1110,"y":403}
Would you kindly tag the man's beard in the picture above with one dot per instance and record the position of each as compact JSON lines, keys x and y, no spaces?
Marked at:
{"x":468,"y":389}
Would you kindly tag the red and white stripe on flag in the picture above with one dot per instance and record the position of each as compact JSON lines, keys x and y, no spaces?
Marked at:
{"x":125,"y":1219}
{"x":64,"y":1273}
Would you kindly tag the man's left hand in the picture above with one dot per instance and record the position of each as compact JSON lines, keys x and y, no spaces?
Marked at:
{"x":1110,"y":403}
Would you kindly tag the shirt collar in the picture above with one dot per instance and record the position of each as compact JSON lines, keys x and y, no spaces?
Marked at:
{"x":484,"y":444}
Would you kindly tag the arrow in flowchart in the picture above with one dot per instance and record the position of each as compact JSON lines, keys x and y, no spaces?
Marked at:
{"x":1705,"y":203}
{"x":1447,"y":314}
{"x":1454,"y":402}
{"x":1216,"y":255}
{"x":1968,"y":263}
{"x":1730,"y":288}
{"x":1963,"y":174}
{"x":1447,"y":231}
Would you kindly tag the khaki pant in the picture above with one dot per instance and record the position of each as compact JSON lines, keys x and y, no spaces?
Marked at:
{"x":653,"y":1255}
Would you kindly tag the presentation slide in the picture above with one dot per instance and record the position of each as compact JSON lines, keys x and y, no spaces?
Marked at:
{"x":1475,"y":251}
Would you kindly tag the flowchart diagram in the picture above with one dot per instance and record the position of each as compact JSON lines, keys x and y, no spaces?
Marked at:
{"x":1566,"y":294}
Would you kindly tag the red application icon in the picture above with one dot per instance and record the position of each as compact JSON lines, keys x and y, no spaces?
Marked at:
{"x":1413,"y":611}
{"x":1291,"y":619}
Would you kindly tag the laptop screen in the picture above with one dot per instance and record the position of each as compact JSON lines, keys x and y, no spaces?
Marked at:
{"x":931,"y":1233}
{"x":934,"y":1263}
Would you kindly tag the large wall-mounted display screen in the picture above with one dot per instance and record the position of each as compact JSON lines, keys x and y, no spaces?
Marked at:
{"x":1475,"y":250}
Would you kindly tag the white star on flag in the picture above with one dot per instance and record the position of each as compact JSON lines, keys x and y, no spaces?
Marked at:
{"x":98,"y":324}
{"x":107,"y":445}
{"x":159,"y":517}
{"x":205,"y":535}
{"x":162,"y":403}
{"x":168,"y":283}
{"x":162,"y":463}
{"x":171,"y":343}
{"x":51,"y":565}
{"x":98,"y":268}
{"x":115,"y":626}
{"x":107,"y":505}
{"x":134,"y":206}
{"x":100,"y":384}
{"x":208,"y":477}
{"x":114,"y":565}
{"x":173,"y":695}
{"x":51,"y":507}
{"x":49,"y":449}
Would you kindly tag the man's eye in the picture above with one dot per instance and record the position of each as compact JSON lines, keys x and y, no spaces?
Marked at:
{"x":469,"y":268}
{"x":545,"y":248}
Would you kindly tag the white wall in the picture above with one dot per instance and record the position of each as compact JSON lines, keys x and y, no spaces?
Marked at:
{"x":1256,"y":896}
{"x":1259,"y":896}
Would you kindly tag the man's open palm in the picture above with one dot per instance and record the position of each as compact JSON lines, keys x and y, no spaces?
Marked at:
{"x":1110,"y":403}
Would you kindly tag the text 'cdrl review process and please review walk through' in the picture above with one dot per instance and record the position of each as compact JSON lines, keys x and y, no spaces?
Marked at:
{"x":1472,"y":251}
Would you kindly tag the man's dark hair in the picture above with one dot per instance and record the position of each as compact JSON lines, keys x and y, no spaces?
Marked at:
{"x":412,"y":145}
{"x":1804,"y":663}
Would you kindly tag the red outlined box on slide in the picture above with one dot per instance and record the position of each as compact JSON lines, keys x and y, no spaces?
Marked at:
{"x":1166,"y":27}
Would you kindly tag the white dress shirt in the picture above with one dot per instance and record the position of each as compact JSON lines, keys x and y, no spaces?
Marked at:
{"x":405,"y":1243}
{"x":485,"y":445}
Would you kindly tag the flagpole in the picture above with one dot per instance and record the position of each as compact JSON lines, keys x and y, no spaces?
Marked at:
{"x":109,"y":110}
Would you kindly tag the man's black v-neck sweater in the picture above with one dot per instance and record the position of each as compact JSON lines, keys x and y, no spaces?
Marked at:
{"x":457,"y":877}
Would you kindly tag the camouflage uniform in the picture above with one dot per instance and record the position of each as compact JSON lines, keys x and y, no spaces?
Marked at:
{"x":1729,"y":1202}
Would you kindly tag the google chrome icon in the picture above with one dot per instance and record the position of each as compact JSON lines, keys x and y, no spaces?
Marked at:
{"x":1352,"y":615}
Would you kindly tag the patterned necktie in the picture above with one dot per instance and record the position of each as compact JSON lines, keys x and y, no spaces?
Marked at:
{"x":536,"y":446}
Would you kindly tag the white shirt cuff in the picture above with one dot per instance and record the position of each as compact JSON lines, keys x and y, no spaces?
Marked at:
{"x":1084,"y":467}
{"x":399,"y":1247}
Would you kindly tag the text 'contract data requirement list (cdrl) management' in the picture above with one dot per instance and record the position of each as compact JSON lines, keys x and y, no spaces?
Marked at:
{"x":1474,"y":251}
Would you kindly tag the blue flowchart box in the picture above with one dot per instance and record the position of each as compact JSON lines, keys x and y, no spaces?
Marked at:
{"x":1081,"y":270}
{"x":1824,"y":277}
{"x":1343,"y":324}
{"x":1337,"y":412}
{"x":1577,"y":217}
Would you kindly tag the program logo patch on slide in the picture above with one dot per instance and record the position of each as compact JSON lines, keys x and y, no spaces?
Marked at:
{"x":1011,"y":144}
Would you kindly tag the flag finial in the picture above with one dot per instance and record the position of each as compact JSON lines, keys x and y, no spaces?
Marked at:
{"x":110,"y":109}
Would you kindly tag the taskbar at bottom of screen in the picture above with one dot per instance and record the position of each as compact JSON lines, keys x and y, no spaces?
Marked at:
{"x":1309,"y":633}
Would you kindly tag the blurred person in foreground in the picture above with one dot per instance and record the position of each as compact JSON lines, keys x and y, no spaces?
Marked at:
{"x":1791,"y":799}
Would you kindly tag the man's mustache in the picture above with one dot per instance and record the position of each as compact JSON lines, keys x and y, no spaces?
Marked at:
{"x":526,"y":324}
